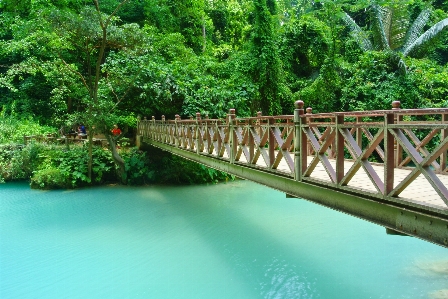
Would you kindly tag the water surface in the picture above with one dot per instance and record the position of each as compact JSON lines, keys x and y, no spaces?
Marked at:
{"x":233,"y":240}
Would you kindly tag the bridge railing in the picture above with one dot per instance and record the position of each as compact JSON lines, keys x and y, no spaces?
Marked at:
{"x":331,"y":149}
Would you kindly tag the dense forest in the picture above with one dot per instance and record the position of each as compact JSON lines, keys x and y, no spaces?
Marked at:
{"x":103,"y":62}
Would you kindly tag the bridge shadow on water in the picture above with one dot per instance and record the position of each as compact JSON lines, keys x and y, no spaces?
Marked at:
{"x":276,"y":253}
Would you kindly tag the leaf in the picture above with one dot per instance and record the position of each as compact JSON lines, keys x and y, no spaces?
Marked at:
{"x":427,"y":36}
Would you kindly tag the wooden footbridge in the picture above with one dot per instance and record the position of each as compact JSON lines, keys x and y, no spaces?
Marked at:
{"x":385,"y":166}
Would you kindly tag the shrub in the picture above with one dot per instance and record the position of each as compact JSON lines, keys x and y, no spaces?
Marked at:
{"x":50,"y":178}
{"x":17,"y":161}
{"x":72,"y":167}
{"x":137,"y":168}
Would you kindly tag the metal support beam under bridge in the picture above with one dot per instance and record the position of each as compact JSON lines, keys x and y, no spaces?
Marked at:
{"x":408,"y":220}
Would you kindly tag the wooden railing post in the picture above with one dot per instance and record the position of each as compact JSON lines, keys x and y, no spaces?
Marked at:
{"x":176,"y":130}
{"x":339,"y":118}
{"x":198,"y":135}
{"x":443,"y":135}
{"x":233,"y":140}
{"x":154,"y":129}
{"x":398,"y":151}
{"x":388,"y":155}
{"x":309,"y":148}
{"x":297,"y":136}
{"x":271,"y":140}
{"x":145,"y":127}
{"x":303,"y":146}
{"x":359,"y":131}
{"x":163,"y":133}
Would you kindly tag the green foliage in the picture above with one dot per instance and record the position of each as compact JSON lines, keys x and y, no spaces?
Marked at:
{"x":70,"y":167}
{"x":17,"y":161}
{"x":372,"y":84}
{"x":50,"y":178}
{"x":138,"y":168}
{"x":156,"y":166}
{"x":13,"y":129}
{"x":178,"y":170}
{"x":265,"y":61}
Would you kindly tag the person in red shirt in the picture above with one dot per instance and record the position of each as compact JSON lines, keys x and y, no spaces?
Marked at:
{"x":116,"y":130}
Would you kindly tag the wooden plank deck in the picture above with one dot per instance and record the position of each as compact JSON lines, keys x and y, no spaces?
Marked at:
{"x":419,"y":192}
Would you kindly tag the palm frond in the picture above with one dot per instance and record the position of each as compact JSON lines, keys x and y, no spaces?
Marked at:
{"x":399,"y":24}
{"x":382,"y":19}
{"x":425,"y":37}
{"x":358,"y":34}
{"x":417,"y":27}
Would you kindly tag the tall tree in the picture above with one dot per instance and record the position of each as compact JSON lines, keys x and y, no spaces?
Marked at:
{"x":266,"y":67}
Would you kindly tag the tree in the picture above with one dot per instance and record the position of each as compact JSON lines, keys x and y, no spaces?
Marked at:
{"x":266,"y":65}
{"x":392,"y":31}
{"x":70,"y":47}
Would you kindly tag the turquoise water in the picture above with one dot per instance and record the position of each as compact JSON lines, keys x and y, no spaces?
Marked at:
{"x":233,"y":240}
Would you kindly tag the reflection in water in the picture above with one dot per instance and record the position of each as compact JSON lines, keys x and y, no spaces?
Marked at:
{"x":438,"y":268}
{"x":440,"y":294}
{"x":431,"y":271}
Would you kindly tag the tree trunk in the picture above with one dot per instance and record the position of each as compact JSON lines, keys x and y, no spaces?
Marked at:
{"x":90,"y":147}
{"x":117,"y":159}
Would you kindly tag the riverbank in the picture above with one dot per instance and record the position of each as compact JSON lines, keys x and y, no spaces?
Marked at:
{"x":53,"y":166}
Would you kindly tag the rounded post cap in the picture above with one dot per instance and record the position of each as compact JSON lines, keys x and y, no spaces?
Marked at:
{"x":153,"y":117}
{"x":232,"y":111}
{"x":163,"y":117}
{"x":299,"y":104}
{"x":259,"y":114}
{"x":309,"y":110}
{"x":396,"y":104}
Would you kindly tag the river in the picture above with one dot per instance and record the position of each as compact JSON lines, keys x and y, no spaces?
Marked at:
{"x":229,"y":240}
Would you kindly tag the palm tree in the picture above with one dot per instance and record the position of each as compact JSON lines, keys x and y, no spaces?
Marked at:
{"x":392,"y":31}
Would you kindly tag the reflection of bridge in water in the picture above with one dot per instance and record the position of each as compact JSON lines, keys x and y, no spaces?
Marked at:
{"x":385,"y":166}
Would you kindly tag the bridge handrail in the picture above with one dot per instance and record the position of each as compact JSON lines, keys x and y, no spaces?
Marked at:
{"x":393,"y":137}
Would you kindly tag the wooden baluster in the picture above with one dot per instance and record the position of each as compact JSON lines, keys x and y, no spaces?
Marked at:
{"x":388,"y":155}
{"x":398,"y":150}
{"x":298,"y":160}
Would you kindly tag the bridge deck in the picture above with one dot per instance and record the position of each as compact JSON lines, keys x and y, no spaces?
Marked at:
{"x":420,"y":192}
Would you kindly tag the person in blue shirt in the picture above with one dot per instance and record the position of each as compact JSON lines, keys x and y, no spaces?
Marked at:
{"x":82,"y":134}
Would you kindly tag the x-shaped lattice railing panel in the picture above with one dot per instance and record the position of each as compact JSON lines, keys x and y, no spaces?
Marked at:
{"x":422,"y":165}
